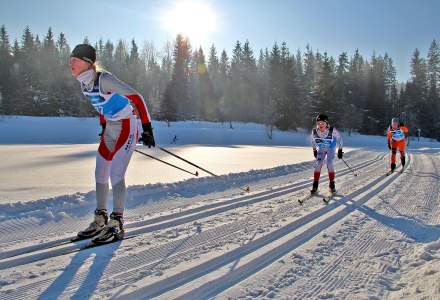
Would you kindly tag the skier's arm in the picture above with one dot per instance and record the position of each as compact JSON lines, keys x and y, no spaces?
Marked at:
{"x":314,"y":145}
{"x":389,"y":138}
{"x":405,"y":131}
{"x":312,"y":139}
{"x":338,"y":138}
{"x":110,"y":84}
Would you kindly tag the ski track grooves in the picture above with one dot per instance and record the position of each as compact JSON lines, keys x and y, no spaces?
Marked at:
{"x":12,"y":234}
{"x":167,"y":221}
{"x":222,"y":283}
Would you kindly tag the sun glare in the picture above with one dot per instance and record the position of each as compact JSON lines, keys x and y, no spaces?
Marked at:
{"x":192,"y":18}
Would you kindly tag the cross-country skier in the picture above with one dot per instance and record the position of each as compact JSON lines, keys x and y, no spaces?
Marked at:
{"x":118,"y":106}
{"x":325,"y":138}
{"x":397,"y":133}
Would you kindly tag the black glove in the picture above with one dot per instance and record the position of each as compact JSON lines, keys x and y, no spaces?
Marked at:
{"x":389,"y":146}
{"x":340,"y":153}
{"x":103,"y":129}
{"x":315,"y":153}
{"x":147,"y":135}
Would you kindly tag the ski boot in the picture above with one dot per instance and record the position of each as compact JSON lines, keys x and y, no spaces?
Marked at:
{"x":113,"y":231}
{"x":393,"y":168}
{"x":403,"y":161}
{"x":95,"y":228}
{"x":332,"y":187}
{"x":314,"y":187}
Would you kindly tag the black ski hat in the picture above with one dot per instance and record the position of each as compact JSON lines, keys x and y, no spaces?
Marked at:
{"x":322,"y":117}
{"x":84,"y":52}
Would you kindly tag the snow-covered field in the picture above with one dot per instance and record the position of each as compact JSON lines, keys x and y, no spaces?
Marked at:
{"x":202,"y":238}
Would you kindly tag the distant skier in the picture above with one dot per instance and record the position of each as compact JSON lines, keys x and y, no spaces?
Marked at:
{"x":325,"y":138}
{"x":118,"y":106}
{"x":397,"y":133}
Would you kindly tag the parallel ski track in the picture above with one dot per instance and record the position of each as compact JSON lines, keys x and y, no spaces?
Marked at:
{"x":31,"y":229}
{"x":220,"y":284}
{"x":344,"y":272}
{"x":146,"y":261}
{"x":168,"y":221}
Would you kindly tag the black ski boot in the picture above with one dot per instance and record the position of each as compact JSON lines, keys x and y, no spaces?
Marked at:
{"x":403,"y":161}
{"x":332,"y":187}
{"x":96,"y":227}
{"x":314,"y":187}
{"x":113,"y":231}
{"x":393,"y":167}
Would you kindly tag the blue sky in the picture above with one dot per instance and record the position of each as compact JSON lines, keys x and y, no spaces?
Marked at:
{"x":393,"y":26}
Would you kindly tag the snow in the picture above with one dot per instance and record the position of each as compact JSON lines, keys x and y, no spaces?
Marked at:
{"x":201,"y":238}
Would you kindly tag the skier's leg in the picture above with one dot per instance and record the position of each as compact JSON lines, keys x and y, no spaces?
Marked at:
{"x":393,"y":158}
{"x":104,"y":162}
{"x":102,"y":171}
{"x":331,"y":170}
{"x":317,"y":172}
{"x":102,"y":174}
{"x":125,"y":147}
{"x":402,"y":156}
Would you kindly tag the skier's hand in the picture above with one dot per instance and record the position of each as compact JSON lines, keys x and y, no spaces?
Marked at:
{"x":102,"y":130}
{"x":340,"y":153}
{"x":315,"y":153}
{"x":389,"y":146}
{"x":147,"y":135}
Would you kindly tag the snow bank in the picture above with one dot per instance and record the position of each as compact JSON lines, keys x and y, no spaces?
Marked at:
{"x":80,"y":204}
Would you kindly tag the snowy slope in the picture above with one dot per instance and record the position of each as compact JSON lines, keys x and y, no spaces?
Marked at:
{"x":379,"y":238}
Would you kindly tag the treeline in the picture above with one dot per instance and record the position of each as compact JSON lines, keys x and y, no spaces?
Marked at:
{"x":274,"y":86}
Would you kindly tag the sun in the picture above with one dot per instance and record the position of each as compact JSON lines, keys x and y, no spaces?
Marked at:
{"x":192,"y":18}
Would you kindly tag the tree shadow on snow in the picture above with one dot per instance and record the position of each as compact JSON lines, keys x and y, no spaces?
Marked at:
{"x":411,"y":227}
{"x":89,"y":278}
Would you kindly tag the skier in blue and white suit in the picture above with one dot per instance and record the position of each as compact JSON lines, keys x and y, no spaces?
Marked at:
{"x":119,"y":106}
{"x":325,"y":140}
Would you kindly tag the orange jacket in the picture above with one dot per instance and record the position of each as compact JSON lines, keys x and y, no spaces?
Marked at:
{"x":397,"y":136}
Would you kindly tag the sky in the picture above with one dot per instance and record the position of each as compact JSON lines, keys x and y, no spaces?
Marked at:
{"x":393,"y":26}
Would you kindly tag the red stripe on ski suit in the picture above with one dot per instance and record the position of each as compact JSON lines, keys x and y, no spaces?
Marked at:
{"x":125,"y":131}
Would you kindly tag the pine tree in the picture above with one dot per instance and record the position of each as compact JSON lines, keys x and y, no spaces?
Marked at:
{"x":224,"y":71}
{"x":374,"y":121}
{"x":417,"y":90}
{"x":6,"y":60}
{"x":324,"y":93}
{"x":433,"y":97}
{"x":176,"y":102}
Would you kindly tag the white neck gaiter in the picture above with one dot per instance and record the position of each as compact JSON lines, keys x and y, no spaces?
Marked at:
{"x":86,"y":77}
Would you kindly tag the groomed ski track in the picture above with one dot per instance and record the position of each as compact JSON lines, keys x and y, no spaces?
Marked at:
{"x":243,"y":240}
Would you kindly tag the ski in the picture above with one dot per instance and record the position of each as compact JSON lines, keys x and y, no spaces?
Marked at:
{"x":301,"y":201}
{"x":91,"y":244}
{"x":328,"y":198}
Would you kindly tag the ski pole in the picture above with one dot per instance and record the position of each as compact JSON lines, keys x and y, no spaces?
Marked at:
{"x":349,"y":167}
{"x":167,"y":163}
{"x":246,"y":189}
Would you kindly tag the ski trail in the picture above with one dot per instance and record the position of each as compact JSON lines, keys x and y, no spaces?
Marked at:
{"x":367,"y":262}
{"x":30,"y":228}
{"x":216,"y":286}
{"x":135,"y":273}
{"x":165,"y":221}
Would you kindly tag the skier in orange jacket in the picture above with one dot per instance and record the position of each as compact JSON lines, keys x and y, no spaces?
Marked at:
{"x":396,"y":136}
